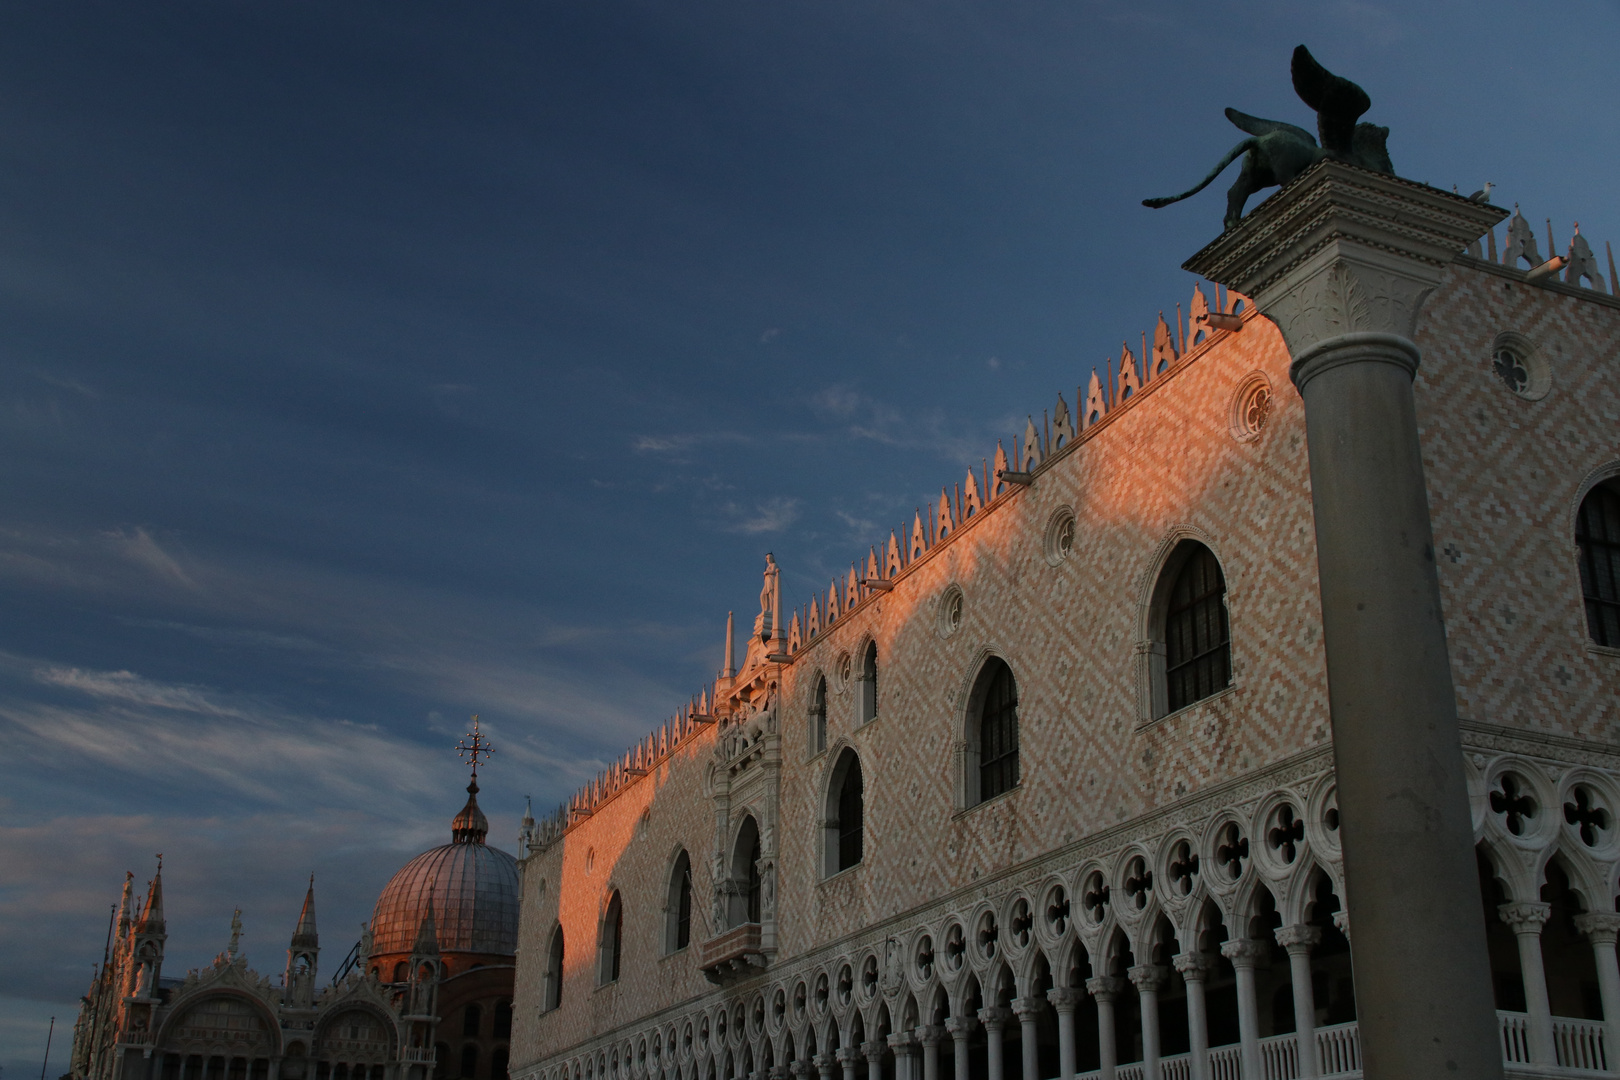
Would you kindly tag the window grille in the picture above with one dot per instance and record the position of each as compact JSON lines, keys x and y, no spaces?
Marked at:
{"x":1597,"y":533}
{"x":998,"y":734}
{"x":1198,"y":648}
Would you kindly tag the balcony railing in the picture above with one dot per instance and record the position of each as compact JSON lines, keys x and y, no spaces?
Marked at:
{"x":420,"y":1055}
{"x":734,"y":952}
{"x":1578,"y":1044}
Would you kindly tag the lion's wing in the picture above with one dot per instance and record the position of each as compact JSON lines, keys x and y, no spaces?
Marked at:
{"x":1257,"y":126}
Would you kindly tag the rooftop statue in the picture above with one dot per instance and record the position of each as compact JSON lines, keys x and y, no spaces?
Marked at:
{"x":1276,"y":152}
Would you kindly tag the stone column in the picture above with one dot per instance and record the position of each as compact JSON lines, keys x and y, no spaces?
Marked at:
{"x":1065,"y":1000}
{"x":1602,"y":928}
{"x":901,"y":1042}
{"x":960,"y":1027}
{"x":1194,"y":970}
{"x":1245,"y":953}
{"x":1028,"y":1011}
{"x":873,"y":1049}
{"x":994,"y":1020}
{"x":1527,"y":921}
{"x":1105,"y":988}
{"x":1341,"y":260}
{"x":1148,"y":978}
{"x":824,"y":1066}
{"x":849,"y":1057}
{"x":802,"y":1069}
{"x":1299,"y":939}
{"x":929,"y":1035}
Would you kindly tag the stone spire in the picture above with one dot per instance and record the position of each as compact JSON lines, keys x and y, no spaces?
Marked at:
{"x":151,"y":920}
{"x":304,"y":937}
{"x":126,"y":904}
{"x":302,"y":954}
{"x":427,"y":933}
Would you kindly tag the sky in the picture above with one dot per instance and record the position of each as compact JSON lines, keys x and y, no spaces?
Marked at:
{"x":367,"y":366}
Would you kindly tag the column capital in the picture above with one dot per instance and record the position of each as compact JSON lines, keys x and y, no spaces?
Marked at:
{"x":1194,"y":966}
{"x":825,"y":1062}
{"x":1602,"y":927}
{"x":1105,"y":987}
{"x":929,"y":1034}
{"x":1524,"y":916}
{"x":1341,"y":919}
{"x":960,"y":1027}
{"x":803,"y":1068}
{"x":779,"y":1072}
{"x":873,"y":1049}
{"x":1245,"y":952}
{"x":1027,"y":1009}
{"x":995,"y":1018}
{"x":1065,"y":998}
{"x":1300,"y":937}
{"x":1344,"y":250}
{"x":848,"y":1055}
{"x":1147,"y":976}
{"x":902,"y":1040}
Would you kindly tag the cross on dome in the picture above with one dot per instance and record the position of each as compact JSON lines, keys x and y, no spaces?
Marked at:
{"x":475,"y":748}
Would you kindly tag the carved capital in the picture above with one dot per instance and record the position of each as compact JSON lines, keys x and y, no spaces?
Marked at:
{"x":1028,"y":1009}
{"x":1147,"y":977}
{"x":1245,"y":952}
{"x":778,"y":1072}
{"x":1600,"y":927}
{"x":1341,"y":919}
{"x":803,"y":1069}
{"x":824,"y":1063}
{"x":995,"y":1018}
{"x":1194,"y":966}
{"x":1525,"y":917}
{"x":873,"y":1049}
{"x":960,"y":1027}
{"x":1065,"y":998}
{"x":929,"y":1034}
{"x":1343,"y":250}
{"x":1105,"y":987}
{"x":848,"y":1055}
{"x":1299,"y":937}
{"x":902,"y":1041}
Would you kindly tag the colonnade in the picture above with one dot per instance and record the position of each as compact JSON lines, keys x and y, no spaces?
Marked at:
{"x":1602,"y":930}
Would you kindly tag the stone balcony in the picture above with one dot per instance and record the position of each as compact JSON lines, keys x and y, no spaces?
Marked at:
{"x":1579,"y":1044}
{"x":732,"y":953}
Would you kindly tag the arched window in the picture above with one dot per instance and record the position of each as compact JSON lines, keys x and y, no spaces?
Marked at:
{"x":470,"y":1020}
{"x":503,"y":1019}
{"x":993,"y":733}
{"x":469,"y":1062}
{"x":612,"y":937}
{"x":554,"y":971}
{"x":678,"y":931}
{"x":1597,"y":532}
{"x":818,"y":716}
{"x":497,"y":1063}
{"x":845,"y":831}
{"x":402,"y":971}
{"x":1192,"y":649}
{"x":745,"y":905}
{"x":866,"y":682}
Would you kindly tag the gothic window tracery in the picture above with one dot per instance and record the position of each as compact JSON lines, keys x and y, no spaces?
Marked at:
{"x":845,"y":840}
{"x":1198,"y":650}
{"x":998,"y":732}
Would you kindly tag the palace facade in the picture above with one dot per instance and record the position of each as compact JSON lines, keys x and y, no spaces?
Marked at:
{"x":1046,"y":787}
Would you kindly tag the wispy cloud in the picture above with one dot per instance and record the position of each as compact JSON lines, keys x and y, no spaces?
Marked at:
{"x":137,"y":546}
{"x":771,"y":516}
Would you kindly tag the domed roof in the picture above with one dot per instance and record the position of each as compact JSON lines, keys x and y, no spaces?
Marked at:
{"x":474,"y":891}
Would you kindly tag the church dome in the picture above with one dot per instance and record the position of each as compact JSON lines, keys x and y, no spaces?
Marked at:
{"x":474,"y":889}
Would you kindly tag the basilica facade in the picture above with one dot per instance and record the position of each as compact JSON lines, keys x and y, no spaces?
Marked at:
{"x":426,"y":994}
{"x":1047,"y":785}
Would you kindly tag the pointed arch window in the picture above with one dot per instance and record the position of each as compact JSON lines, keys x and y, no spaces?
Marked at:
{"x":818,"y":716}
{"x":554,"y":970}
{"x":1197,"y":637}
{"x":745,"y":854}
{"x":867,"y":684}
{"x":470,"y":1021}
{"x":998,"y":731}
{"x":503,"y":1019}
{"x":678,"y":931}
{"x":845,"y":829}
{"x":1597,"y":534}
{"x":612,"y":947}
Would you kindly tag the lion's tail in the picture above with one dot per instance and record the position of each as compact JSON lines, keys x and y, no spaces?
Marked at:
{"x":1232,"y":155}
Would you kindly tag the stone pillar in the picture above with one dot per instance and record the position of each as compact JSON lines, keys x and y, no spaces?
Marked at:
{"x":1028,"y":1011}
{"x":1527,"y":921}
{"x":802,"y":1069}
{"x":1065,"y":999}
{"x":1341,"y":260}
{"x":960,"y":1027}
{"x":1194,"y":970}
{"x":873,"y":1049}
{"x":1105,"y":988}
{"x":929,"y":1035}
{"x":1602,"y":928}
{"x":901,"y":1042}
{"x":824,"y":1066}
{"x":1299,"y":939}
{"x":1148,"y":978}
{"x":1245,"y":953}
{"x":849,"y":1057}
{"x":994,"y":1020}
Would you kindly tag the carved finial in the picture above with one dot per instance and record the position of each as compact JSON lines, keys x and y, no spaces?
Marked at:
{"x":477,"y":750}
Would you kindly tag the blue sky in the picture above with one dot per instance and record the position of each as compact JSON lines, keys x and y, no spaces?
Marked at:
{"x":367,"y":366}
